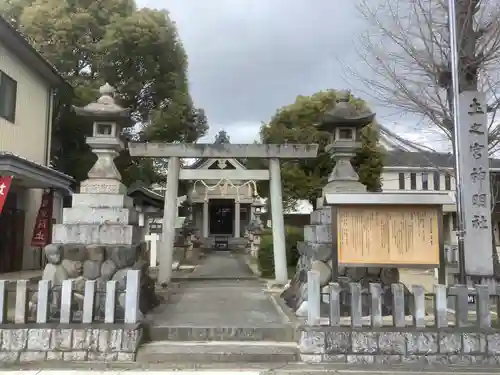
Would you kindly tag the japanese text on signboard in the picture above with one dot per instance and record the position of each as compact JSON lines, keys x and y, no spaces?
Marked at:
{"x":476,"y":195}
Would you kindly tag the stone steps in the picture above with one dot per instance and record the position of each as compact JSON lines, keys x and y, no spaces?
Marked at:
{"x":217,"y":351}
{"x":281,"y":333}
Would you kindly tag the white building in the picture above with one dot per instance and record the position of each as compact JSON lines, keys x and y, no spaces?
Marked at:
{"x":27,"y":86}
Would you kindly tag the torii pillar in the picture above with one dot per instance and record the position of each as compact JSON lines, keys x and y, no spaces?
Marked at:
{"x":175,"y":152}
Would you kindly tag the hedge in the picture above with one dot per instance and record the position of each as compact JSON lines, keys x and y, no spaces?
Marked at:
{"x":266,"y":257}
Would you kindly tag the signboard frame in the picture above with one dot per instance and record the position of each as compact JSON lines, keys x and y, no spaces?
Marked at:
{"x":335,"y":248}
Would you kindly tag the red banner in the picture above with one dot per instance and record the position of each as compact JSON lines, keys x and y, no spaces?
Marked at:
{"x":43,"y":224}
{"x":5,"y":183}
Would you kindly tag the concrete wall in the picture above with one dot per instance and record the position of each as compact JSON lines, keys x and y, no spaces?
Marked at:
{"x":408,"y":333}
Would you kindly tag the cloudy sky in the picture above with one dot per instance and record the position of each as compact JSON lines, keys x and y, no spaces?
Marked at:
{"x":247,"y":58}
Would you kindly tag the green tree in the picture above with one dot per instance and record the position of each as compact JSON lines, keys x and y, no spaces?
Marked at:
{"x":297,"y":123}
{"x":136,"y":50}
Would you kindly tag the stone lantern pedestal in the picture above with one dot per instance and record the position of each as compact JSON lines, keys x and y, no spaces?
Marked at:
{"x":255,"y":228}
{"x":100,"y":238}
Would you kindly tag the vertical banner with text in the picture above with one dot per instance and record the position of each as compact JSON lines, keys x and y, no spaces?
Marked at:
{"x":476,"y":192}
{"x":5,"y":183}
{"x":43,"y":224}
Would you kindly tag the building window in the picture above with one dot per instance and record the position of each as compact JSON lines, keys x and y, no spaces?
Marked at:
{"x":447,"y":182}
{"x":413,"y":181}
{"x":8,"y":93}
{"x":401,"y":181}
{"x":437,"y":181}
{"x":425,"y":181}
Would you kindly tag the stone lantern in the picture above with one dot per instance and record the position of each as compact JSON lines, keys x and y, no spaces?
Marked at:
{"x":99,"y":237}
{"x":257,"y":207}
{"x":344,"y":122}
{"x":255,"y":227}
{"x":108,"y":120}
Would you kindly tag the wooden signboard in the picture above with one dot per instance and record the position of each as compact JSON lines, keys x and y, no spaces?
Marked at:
{"x":388,"y":235}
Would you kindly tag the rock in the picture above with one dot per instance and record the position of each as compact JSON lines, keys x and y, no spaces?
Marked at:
{"x":79,"y":285}
{"x":302,"y":310}
{"x":142,"y":249}
{"x":355,"y":274}
{"x":303,"y":292}
{"x":108,"y":269}
{"x":72,"y":268}
{"x":325,"y":272}
{"x":53,"y":253}
{"x":122,"y":256}
{"x":91,"y":269}
{"x":54,"y":274}
{"x":120,"y":277}
{"x":389,"y":276}
{"x":96,"y":253}
{"x":74,"y":252}
{"x":141,"y":265}
{"x":374,"y":271}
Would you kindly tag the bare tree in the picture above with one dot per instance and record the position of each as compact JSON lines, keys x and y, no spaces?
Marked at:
{"x":407,"y":49}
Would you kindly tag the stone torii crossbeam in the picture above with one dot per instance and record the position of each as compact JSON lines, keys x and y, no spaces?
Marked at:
{"x":174,"y":152}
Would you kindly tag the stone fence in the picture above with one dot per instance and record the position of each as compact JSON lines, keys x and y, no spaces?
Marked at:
{"x":84,"y":327}
{"x":421,"y":328}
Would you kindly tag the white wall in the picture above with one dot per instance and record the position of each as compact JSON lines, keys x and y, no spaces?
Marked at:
{"x":27,"y":136}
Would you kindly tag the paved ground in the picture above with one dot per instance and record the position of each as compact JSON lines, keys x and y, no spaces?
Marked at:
{"x":221,"y":292}
{"x":222,"y":265}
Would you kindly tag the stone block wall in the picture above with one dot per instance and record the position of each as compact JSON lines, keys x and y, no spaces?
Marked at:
{"x":410,"y":346}
{"x":365,"y":335}
{"x":65,"y":325}
{"x":72,"y":342}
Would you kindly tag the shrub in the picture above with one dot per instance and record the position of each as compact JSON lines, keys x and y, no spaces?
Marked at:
{"x":266,"y":256}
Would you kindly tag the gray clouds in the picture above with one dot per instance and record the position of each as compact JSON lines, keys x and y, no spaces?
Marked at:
{"x":247,"y":58}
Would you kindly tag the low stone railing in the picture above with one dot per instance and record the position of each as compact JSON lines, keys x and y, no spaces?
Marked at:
{"x":444,"y":336}
{"x":59,"y":325}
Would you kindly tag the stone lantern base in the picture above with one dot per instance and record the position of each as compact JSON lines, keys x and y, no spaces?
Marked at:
{"x":99,"y":240}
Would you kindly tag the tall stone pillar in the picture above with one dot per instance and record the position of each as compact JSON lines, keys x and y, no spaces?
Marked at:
{"x":169,"y":214}
{"x":237,"y":219}
{"x":278,"y":223}
{"x":205,"y":219}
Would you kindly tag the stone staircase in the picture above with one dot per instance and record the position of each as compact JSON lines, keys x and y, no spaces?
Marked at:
{"x":220,"y":313}
{"x":216,"y":344}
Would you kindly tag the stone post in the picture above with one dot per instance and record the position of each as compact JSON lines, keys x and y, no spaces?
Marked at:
{"x":279,"y":245}
{"x":169,"y":215}
{"x":237,"y":219}
{"x":205,"y":219}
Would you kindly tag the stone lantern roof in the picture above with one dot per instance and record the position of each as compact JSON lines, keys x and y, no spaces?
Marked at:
{"x":344,"y":113}
{"x":106,"y":108}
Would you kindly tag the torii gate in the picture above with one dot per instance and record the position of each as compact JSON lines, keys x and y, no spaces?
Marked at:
{"x":174,"y":152}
